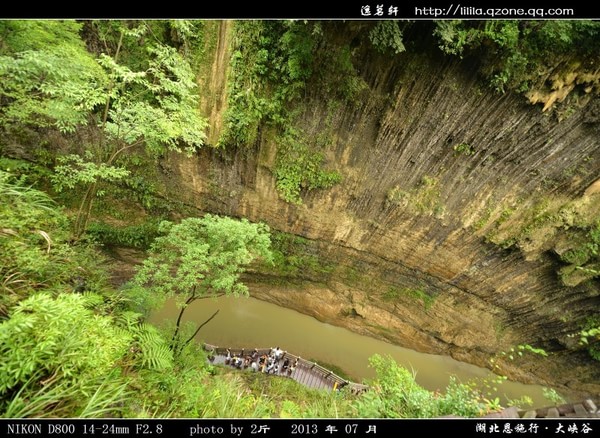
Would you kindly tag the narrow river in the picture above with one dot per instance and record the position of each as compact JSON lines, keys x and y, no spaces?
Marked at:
{"x":248,"y":322}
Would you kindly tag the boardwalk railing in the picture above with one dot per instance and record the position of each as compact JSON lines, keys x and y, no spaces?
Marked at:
{"x":314,"y":375}
{"x":308,"y":373}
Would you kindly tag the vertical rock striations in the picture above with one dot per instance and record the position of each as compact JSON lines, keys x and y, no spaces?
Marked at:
{"x":422,"y":242}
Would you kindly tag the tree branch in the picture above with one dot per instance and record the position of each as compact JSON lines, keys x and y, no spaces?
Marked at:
{"x":211,"y":296}
{"x":112,"y":84}
{"x":178,"y":323}
{"x":198,"y":329}
{"x":114,"y":155}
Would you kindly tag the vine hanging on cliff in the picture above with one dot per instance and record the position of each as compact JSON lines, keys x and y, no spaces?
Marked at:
{"x":271,"y":69}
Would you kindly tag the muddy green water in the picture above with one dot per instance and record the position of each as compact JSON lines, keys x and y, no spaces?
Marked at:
{"x":248,"y":322}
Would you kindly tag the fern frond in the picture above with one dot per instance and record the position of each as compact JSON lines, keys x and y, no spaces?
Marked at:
{"x":129,"y":320}
{"x":154,"y":350}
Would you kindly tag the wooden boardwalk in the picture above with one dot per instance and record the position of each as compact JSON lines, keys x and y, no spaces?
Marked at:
{"x":315,"y":376}
{"x":307,"y":373}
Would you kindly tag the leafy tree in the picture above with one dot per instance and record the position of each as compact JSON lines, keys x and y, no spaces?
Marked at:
{"x":23,"y":35}
{"x":201,"y":258}
{"x":387,"y":36}
{"x":48,"y":77}
{"x":64,"y":87}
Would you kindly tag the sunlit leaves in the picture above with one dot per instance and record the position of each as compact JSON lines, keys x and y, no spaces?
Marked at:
{"x":73,"y":170}
{"x":208,"y":253}
{"x":50,"y":88}
{"x":62,"y":86}
{"x":57,"y":338}
{"x":396,"y":394}
{"x":157,"y":105}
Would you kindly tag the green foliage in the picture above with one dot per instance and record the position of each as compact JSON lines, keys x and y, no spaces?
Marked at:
{"x":418,"y":294}
{"x":141,"y":188}
{"x":516,"y":53}
{"x":387,"y":36}
{"x":149,"y":345}
{"x":207,"y":254}
{"x":395,"y":394}
{"x":22,"y":35}
{"x":553,"y":396}
{"x":187,"y":36}
{"x":73,"y":171}
{"x":134,"y":236}
{"x":590,"y":333}
{"x":453,"y":36}
{"x":519,"y":351}
{"x":168,"y":116}
{"x":99,"y":398}
{"x":64,"y":87}
{"x":594,"y":352}
{"x":58,"y":339}
{"x":584,"y":256}
{"x":272,"y":67}
{"x":48,"y":78}
{"x":529,"y":349}
{"x":26,"y":172}
{"x":35,"y":252}
{"x":35,"y":209}
{"x":193,"y":393}
{"x":425,"y":198}
{"x":338,"y":77}
{"x":590,"y":337}
{"x":464,"y":400}
{"x":521,"y":402}
{"x":269,"y":69}
{"x":464,"y":149}
{"x":295,"y":257}
{"x":299,"y":168}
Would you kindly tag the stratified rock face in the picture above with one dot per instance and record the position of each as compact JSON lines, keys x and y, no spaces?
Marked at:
{"x":428,"y":160}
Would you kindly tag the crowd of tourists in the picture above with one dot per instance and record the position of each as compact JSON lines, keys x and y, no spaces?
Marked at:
{"x":276,"y":362}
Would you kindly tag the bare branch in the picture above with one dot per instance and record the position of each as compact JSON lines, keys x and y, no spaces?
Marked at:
{"x":199,"y":327}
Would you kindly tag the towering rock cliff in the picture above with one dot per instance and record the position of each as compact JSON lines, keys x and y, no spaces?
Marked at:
{"x":445,"y":232}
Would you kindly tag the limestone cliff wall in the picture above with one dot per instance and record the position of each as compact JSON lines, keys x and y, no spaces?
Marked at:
{"x":414,"y":213}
